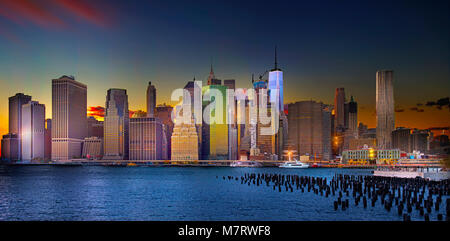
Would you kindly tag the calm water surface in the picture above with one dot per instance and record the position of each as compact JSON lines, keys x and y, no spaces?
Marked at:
{"x":172,"y":193}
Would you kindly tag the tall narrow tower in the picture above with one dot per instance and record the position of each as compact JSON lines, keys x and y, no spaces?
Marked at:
{"x":385,"y":108}
{"x":116,"y":125}
{"x":211,"y":76}
{"x":151,"y":100}
{"x":33,"y":128}
{"x":212,"y":80}
{"x":276,"y":85}
{"x":339,"y":108}
{"x":353,"y":117}
{"x":16,"y":103}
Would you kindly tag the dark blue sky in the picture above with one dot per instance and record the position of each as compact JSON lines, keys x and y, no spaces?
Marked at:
{"x":321,"y":45}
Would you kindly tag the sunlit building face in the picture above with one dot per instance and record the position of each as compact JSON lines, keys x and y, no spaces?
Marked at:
{"x":276,"y":83}
{"x":215,"y":141}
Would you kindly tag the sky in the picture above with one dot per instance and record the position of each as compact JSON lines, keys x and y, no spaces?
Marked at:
{"x":322,"y":45}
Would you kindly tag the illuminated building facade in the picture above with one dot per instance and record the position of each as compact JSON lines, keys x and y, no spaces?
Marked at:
{"x":370,"y":156}
{"x":69,"y":108}
{"x":15,"y":118}
{"x":385,"y":108}
{"x":387,"y":156}
{"x":215,"y":134}
{"x":185,"y":142}
{"x":276,"y":83}
{"x":367,"y":155}
{"x":116,"y":125}
{"x":33,"y":131}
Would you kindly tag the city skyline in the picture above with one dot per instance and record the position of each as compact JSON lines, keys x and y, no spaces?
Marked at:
{"x":227,"y":110}
{"x":102,"y":60}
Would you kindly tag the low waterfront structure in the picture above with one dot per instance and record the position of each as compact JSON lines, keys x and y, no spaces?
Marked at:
{"x":370,"y":156}
{"x":10,"y":147}
{"x":93,"y":148}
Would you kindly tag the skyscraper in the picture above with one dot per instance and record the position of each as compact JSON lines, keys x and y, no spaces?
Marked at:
{"x":212,"y":78}
{"x":151,"y":100}
{"x":116,"y":125}
{"x":146,"y":139}
{"x":69,"y":108}
{"x":215,"y":134}
{"x":164,"y":114}
{"x":310,"y":129}
{"x":339,"y":108}
{"x":276,"y":85}
{"x":185,"y":141}
{"x":15,"y":119}
{"x":33,"y":131}
{"x":353,"y":117}
{"x":385,"y":108}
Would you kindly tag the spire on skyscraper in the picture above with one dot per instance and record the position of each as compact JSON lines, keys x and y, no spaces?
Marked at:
{"x":276,"y":60}
{"x":276,"y":64}
{"x":211,"y":75}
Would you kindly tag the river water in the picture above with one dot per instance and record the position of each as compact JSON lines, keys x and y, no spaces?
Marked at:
{"x":166,"y":193}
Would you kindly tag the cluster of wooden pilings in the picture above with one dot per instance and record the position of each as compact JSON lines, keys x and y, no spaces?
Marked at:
{"x":404,"y":195}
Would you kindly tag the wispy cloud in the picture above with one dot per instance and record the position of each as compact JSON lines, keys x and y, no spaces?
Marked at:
{"x":84,"y":11}
{"x":99,"y":112}
{"x":50,"y":14}
{"x":440,"y":103}
{"x":416,"y":109}
{"x":35,"y":12}
{"x":96,"y":111}
{"x":10,"y":36}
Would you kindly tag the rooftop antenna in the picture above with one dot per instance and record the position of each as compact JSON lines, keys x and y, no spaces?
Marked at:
{"x":276,"y":63}
{"x":212,"y":71}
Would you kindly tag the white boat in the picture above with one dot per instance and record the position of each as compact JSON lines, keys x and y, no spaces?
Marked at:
{"x":294,"y":164}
